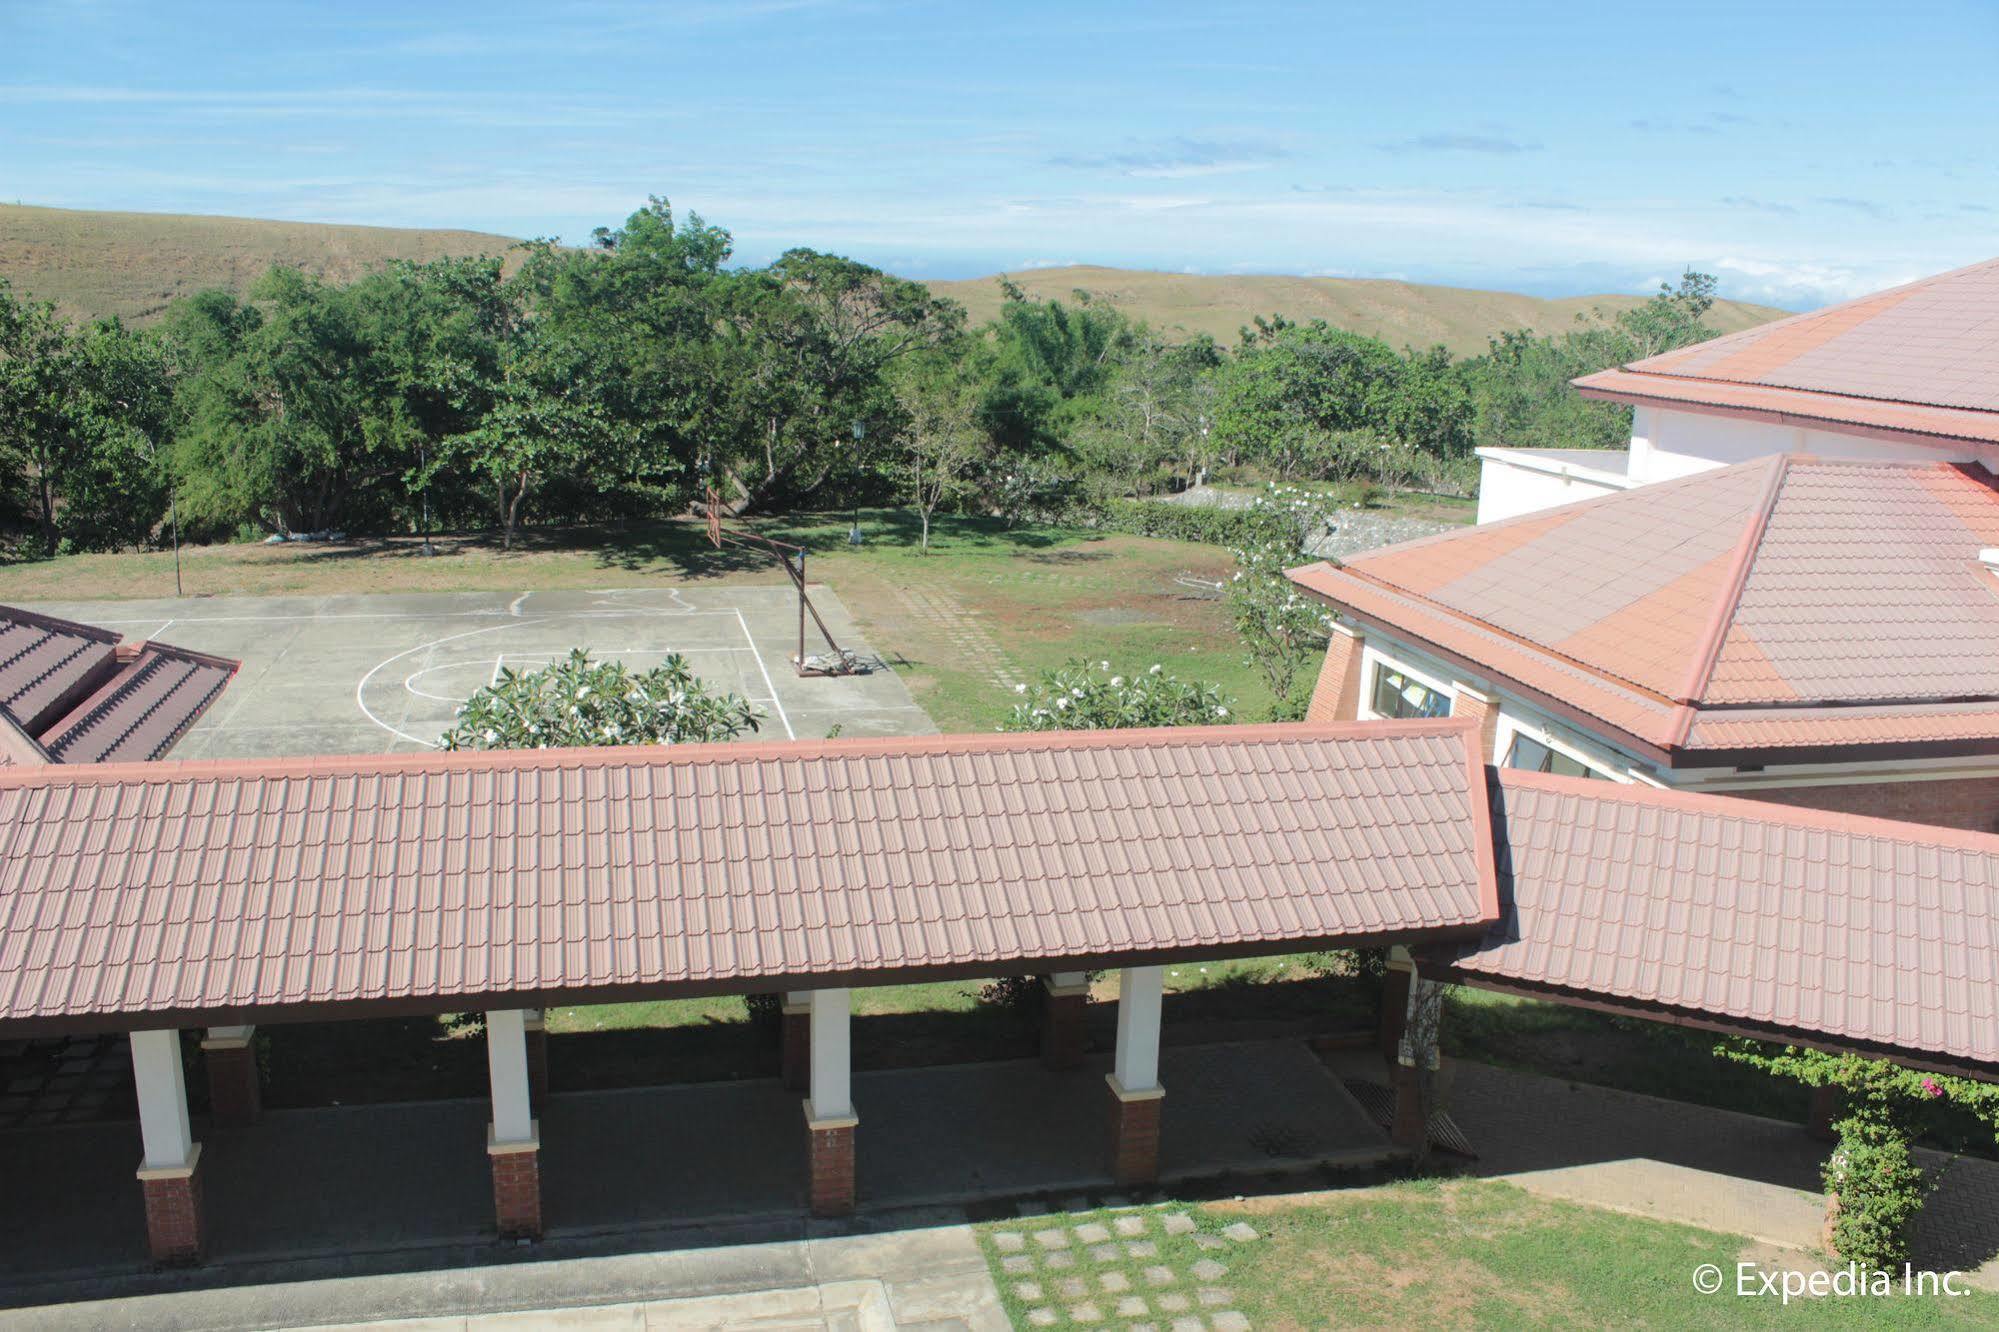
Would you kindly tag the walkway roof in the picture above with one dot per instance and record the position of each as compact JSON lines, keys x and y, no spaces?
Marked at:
{"x":1920,"y":361}
{"x":185,"y":894}
{"x":73,"y":693}
{"x":1783,"y":604}
{"x":192,"y":893}
{"x":1789,"y":924}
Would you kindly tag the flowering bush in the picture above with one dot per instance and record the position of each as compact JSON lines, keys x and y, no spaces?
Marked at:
{"x":1874,"y":1188}
{"x":1085,"y":696}
{"x":578,"y":702}
{"x":1282,"y":628}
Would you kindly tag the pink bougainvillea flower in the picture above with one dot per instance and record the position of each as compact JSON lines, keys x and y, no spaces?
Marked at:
{"x":1932,"y":1087}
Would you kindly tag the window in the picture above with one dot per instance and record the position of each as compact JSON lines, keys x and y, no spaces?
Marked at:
{"x":1531,"y":755}
{"x":1397,"y":695}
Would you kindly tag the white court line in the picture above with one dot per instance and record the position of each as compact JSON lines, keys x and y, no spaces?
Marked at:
{"x":403,"y":615}
{"x":498,"y":657}
{"x":154,"y":636}
{"x":362,"y":684}
{"x":768,"y":682}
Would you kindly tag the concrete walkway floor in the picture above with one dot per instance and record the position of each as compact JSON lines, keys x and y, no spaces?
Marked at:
{"x":406,"y":1187}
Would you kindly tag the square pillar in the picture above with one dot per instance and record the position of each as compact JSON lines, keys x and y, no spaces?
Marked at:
{"x":794,"y":1033}
{"x":1471,"y":701}
{"x":1415,"y":1067}
{"x":1136,"y":1096}
{"x":536,"y":1022}
{"x":235,"y":1090}
{"x":830,"y":1120}
{"x":513,"y":1139}
{"x":1064,"y":1006}
{"x":1395,"y":984}
{"x":170,"y":1171}
{"x":1336,"y":695}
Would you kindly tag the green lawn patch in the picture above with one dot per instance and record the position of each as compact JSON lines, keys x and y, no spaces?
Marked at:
{"x":1430,"y":1254}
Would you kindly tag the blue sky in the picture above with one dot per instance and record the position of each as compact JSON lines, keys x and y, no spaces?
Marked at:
{"x":1802,"y":152}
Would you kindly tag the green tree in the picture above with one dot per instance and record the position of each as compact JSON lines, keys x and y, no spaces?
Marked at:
{"x":944,"y":445}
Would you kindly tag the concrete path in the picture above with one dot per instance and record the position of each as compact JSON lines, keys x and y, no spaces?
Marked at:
{"x":925,"y":1275}
{"x":343,"y":1191}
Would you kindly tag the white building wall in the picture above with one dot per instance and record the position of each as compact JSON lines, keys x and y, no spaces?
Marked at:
{"x":1510,"y":484}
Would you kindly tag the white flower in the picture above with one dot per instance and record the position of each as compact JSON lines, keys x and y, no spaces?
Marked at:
{"x":1103,"y":665}
{"x":1020,"y":689}
{"x":1061,"y":703}
{"x":1154,"y":670}
{"x":491,"y":735}
{"x":583,"y":693}
{"x":1221,"y":712}
{"x":1116,"y":680}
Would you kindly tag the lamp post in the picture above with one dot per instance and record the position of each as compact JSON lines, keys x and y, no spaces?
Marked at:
{"x":854,"y":537}
{"x":1201,"y":471}
{"x":423,"y":497}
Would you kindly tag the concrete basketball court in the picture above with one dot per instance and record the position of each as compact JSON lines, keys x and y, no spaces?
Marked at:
{"x":374,"y":674}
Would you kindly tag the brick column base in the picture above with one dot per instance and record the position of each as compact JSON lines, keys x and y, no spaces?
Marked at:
{"x":794,"y":1034}
{"x":1394,"y":1010}
{"x":1411,"y":1129}
{"x":516,"y":1185}
{"x":174,"y":1230}
{"x":1134,"y":1134}
{"x":1827,"y":1105}
{"x":235,"y":1096}
{"x":830,"y":1146}
{"x":1064,"y":1037}
{"x":537,"y":1043}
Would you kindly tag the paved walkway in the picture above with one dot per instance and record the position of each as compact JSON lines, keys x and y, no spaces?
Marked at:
{"x":992,"y":1131}
{"x":334,"y":1191}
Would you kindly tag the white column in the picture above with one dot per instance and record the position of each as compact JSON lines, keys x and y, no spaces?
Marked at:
{"x":1141,"y":990}
{"x":162,"y":1083}
{"x":507,"y":1064}
{"x":832,"y":1061}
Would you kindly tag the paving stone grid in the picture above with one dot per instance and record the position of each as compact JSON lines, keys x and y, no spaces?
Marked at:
{"x":962,"y":627}
{"x":1142,"y":1268}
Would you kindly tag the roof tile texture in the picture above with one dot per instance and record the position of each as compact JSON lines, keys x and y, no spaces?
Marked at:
{"x":213,"y":887}
{"x":1788,"y":581}
{"x":1862,"y":931}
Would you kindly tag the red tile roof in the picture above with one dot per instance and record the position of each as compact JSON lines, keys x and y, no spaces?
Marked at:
{"x":1789,"y":923}
{"x":1809,"y":589}
{"x":190,"y":892}
{"x":72,"y":693}
{"x":1922,"y":359}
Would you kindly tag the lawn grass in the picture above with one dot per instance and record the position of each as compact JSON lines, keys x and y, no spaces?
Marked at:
{"x":1467,"y":1253}
{"x":1044,"y":594}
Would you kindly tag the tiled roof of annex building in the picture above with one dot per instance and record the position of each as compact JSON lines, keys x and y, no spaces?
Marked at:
{"x":183,"y":894}
{"x":1789,"y":603}
{"x":1916,"y":361}
{"x":74,"y":693}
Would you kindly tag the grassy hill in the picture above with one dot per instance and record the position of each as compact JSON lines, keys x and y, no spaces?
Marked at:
{"x":134,"y":264}
{"x":1397,"y":312}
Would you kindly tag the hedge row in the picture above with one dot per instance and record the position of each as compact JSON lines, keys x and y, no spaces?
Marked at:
{"x":1210,"y":524}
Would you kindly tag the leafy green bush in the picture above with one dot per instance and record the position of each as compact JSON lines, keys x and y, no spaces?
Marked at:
{"x":580,"y":702}
{"x":1085,"y":697}
{"x":1874,"y":1188}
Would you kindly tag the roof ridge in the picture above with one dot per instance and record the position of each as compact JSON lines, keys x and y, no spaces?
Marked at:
{"x":1708,"y":651}
{"x":609,"y":756}
{"x":1637,"y":368}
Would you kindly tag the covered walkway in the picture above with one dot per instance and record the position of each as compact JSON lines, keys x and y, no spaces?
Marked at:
{"x":158,"y":898}
{"x":347,"y":1180}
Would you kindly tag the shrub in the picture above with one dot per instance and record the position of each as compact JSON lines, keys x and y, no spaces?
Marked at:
{"x":764,"y":1011}
{"x":1086,"y":697}
{"x":1874,"y":1189}
{"x":578,"y":702}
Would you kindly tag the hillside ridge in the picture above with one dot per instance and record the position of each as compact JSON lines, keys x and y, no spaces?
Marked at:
{"x":134,"y":265}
